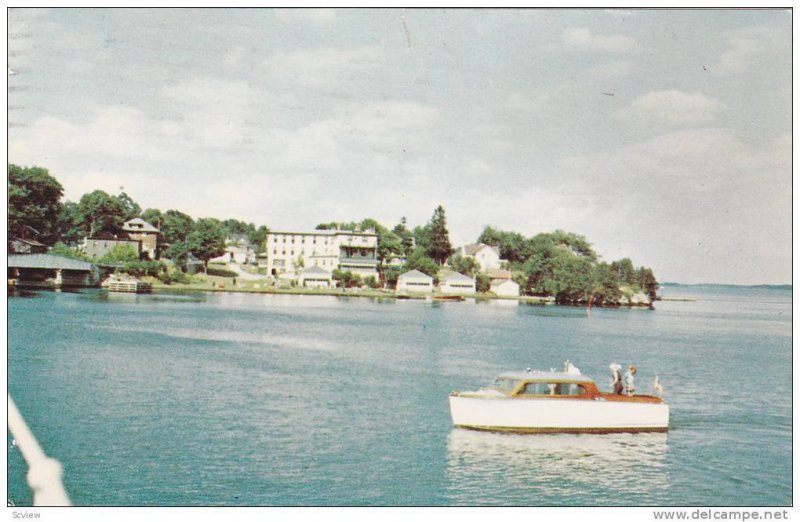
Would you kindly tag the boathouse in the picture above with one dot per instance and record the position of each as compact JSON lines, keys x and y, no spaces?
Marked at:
{"x":49,"y":271}
{"x":415,"y":281}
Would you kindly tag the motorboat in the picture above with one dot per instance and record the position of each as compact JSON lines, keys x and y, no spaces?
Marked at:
{"x":534,"y":401}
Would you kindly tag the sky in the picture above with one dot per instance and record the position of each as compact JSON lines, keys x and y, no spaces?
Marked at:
{"x":659,"y":135}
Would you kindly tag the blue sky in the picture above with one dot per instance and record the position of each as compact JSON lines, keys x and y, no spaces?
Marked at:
{"x":660,"y":135}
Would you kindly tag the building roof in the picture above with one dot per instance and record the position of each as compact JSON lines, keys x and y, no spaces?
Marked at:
{"x":139,"y":225}
{"x":455,"y":276}
{"x":31,"y":242}
{"x":471,"y":250}
{"x":498,"y":273}
{"x":47,"y":261}
{"x":537,"y":375}
{"x":315,"y":270}
{"x":415,"y":274}
{"x":326,"y":232}
{"x":498,"y":282}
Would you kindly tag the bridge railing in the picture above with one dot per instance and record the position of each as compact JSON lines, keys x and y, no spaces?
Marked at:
{"x":44,"y":473}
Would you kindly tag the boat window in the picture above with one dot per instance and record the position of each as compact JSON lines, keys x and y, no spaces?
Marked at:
{"x":552,"y":388}
{"x":503,"y":385}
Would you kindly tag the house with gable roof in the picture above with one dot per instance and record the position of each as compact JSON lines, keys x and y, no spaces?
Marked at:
{"x":137,"y":229}
{"x":315,"y":277}
{"x":455,"y":283}
{"x":415,"y":281}
{"x":486,"y":255}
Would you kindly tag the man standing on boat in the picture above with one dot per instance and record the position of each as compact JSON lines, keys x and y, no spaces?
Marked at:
{"x":630,"y":388}
{"x":616,"y":378}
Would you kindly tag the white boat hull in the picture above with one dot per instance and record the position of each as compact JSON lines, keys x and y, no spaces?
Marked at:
{"x":547,"y":415}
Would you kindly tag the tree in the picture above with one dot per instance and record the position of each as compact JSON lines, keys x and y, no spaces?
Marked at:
{"x":259,"y":237}
{"x":606,"y":284}
{"x":483,"y":283}
{"x":175,"y":226}
{"x":207,"y":240}
{"x":625,"y":271}
{"x":513,"y":246}
{"x":120,"y":255}
{"x":153,"y":216}
{"x":464,"y":265}
{"x":439,"y":248}
{"x":99,"y":212}
{"x":405,"y":235}
{"x":390,"y":245}
{"x":33,"y":203}
{"x":647,"y":282}
{"x":130,"y":207}
{"x":419,"y":261}
{"x":60,"y":249}
{"x":68,"y":225}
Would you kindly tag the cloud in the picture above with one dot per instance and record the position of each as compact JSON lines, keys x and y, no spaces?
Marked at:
{"x":517,"y":102}
{"x":583,"y":39}
{"x":321,"y":66}
{"x":673,"y":107}
{"x":745,"y":48}
{"x":702,"y":197}
{"x":314,"y":17}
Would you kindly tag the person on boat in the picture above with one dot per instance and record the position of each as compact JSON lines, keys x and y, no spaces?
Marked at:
{"x":616,"y":378}
{"x":630,"y":388}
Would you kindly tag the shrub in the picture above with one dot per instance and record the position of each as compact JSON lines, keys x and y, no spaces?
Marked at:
{"x":220,"y":272}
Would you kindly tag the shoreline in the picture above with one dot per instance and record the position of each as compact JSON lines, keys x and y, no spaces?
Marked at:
{"x":371,"y":293}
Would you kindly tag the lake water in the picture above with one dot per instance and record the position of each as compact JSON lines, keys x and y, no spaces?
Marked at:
{"x":268,"y":400}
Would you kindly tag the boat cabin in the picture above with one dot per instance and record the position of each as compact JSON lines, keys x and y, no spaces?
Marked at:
{"x":556,"y":385}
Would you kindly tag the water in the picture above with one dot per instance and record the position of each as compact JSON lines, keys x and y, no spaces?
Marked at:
{"x":241,"y":399}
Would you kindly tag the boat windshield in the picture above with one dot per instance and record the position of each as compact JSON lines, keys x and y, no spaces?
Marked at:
{"x":503,"y":385}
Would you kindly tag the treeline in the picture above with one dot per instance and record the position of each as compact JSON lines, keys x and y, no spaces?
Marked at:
{"x":557,"y":264}
{"x":35,"y":211}
{"x":563,"y":265}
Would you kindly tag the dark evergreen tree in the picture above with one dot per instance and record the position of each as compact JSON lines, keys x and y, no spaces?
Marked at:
{"x":439,"y":247}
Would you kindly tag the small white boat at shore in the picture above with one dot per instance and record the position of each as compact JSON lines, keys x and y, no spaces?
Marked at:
{"x":555,"y":402}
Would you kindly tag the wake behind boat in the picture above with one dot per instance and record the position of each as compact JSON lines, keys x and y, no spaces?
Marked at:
{"x":555,"y":402}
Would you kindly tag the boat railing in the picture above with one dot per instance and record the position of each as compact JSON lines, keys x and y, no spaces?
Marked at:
{"x":44,"y":473}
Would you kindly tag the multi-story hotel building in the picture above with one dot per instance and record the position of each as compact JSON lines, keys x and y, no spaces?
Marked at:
{"x":355,"y":251}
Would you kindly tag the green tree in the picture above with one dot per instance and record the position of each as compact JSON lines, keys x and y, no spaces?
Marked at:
{"x":346,"y":279}
{"x":68,"y":224}
{"x":606,"y":285}
{"x":33,"y":203}
{"x":626,"y":273}
{"x":464,"y":265}
{"x":99,"y":212}
{"x":439,"y":247}
{"x":259,"y":237}
{"x":406,"y":236}
{"x":483,"y":282}
{"x":390,"y":246}
{"x":60,"y":249}
{"x":419,"y":261}
{"x":422,"y":238}
{"x":647,"y":282}
{"x":175,"y":227}
{"x":513,"y":246}
{"x":153,"y":216}
{"x":119,"y":255}
{"x":130,"y":208}
{"x":207,"y":240}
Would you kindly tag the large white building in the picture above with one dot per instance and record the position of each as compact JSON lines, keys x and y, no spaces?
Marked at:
{"x":353,"y":251}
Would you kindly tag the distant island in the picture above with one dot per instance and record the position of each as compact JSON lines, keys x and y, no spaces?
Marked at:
{"x":726,"y":285}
